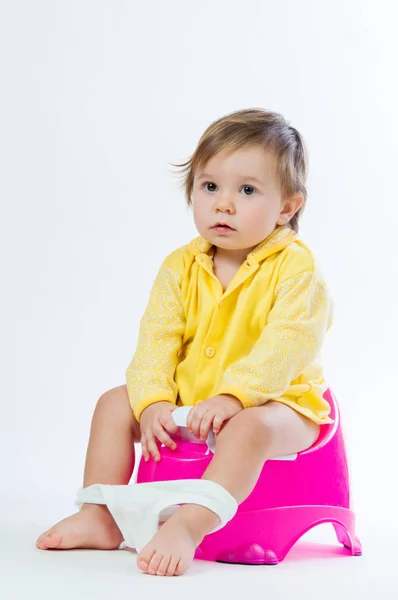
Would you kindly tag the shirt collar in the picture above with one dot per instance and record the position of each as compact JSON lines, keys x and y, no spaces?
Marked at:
{"x":277,"y":240}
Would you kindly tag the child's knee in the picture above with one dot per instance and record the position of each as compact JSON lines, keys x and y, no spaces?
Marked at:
{"x":251,"y":426}
{"x":115,"y":402}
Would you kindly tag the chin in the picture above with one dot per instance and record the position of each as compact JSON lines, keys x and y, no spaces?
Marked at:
{"x":221,"y":241}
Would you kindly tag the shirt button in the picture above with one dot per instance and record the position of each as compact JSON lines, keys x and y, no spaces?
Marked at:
{"x":210,"y":352}
{"x":250,"y":263}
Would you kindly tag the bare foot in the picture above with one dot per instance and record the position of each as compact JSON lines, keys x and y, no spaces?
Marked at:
{"x":92,"y":527}
{"x":171,"y":550}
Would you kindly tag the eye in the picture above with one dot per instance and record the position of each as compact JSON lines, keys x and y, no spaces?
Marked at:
{"x":208,"y":183}
{"x":247,"y":187}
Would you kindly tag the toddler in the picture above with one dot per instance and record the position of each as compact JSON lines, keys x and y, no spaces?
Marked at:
{"x":234,"y":326}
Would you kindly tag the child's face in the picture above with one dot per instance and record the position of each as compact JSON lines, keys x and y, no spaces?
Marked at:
{"x":223,"y":191}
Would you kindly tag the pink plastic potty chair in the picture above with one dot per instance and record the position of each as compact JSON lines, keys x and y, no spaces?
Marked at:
{"x":293,"y":494}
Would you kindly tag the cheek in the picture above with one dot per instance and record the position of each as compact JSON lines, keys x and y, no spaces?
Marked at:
{"x":254,"y":214}
{"x":195,"y":210}
{"x":256,"y":219}
{"x":198,"y":209}
{"x":198,"y":216}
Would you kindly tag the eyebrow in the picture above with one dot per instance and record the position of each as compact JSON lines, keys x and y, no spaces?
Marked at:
{"x":245,"y":177}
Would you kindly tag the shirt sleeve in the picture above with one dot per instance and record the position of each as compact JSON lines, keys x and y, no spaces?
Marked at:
{"x":289,"y":343}
{"x":150,"y":374}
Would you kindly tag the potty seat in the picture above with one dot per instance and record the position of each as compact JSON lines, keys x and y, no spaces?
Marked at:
{"x":293,"y":494}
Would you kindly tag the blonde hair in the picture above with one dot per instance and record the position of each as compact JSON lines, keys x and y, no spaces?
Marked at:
{"x":251,"y":127}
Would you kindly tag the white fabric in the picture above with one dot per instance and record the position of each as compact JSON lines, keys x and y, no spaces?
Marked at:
{"x":138,"y":508}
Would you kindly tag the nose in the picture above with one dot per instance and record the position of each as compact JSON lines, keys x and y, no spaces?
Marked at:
{"x":224,"y":204}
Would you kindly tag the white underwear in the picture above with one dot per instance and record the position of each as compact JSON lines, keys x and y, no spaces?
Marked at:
{"x":138,"y":508}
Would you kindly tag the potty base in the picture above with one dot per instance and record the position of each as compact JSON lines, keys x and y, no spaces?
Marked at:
{"x":266,"y":536}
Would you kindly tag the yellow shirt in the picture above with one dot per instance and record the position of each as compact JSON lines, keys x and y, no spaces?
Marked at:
{"x":259,"y":340}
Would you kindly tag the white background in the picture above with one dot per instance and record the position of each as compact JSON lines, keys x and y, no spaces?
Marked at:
{"x":97,"y":97}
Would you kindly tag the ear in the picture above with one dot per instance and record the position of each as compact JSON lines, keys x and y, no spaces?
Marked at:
{"x":290,"y":207}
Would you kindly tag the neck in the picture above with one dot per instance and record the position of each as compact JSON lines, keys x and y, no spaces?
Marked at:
{"x":231,"y":256}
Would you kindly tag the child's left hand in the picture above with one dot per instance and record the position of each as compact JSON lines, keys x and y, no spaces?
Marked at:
{"x":212,"y":412}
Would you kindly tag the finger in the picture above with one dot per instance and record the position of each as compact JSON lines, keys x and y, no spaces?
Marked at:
{"x":190,"y":416}
{"x":167,"y":421}
{"x":196,"y":421}
{"x":143,"y":446}
{"x":152,"y":446}
{"x":164,"y":437}
{"x":205,"y":425}
{"x":145,"y":450}
{"x":217,"y":422}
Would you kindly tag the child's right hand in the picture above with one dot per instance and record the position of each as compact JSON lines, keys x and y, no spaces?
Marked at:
{"x":154,"y":419}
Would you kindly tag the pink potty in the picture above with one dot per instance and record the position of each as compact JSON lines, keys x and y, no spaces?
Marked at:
{"x":292,"y":495}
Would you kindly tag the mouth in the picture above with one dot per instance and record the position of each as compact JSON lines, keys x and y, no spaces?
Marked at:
{"x":222,"y":227}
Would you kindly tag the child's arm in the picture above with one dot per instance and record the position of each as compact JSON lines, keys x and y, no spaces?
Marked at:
{"x":150,"y":374}
{"x":290,"y":342}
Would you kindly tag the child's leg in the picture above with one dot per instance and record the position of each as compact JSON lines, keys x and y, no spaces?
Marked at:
{"x":243,"y":445}
{"x":270,"y":430}
{"x":109,"y":459}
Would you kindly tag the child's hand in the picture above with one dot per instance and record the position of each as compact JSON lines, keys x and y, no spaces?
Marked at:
{"x":212,"y":412}
{"x":154,"y":419}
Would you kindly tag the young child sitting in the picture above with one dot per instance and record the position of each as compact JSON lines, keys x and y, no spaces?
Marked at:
{"x":233,"y":327}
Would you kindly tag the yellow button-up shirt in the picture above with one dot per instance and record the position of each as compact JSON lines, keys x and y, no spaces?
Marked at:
{"x":259,"y":340}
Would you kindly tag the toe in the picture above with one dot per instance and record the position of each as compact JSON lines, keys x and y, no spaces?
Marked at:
{"x":171,"y":569}
{"x":144,"y":558}
{"x":39,"y":541}
{"x":155,"y":562}
{"x":51,"y":541}
{"x":164,"y":563}
{"x":180,"y":568}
